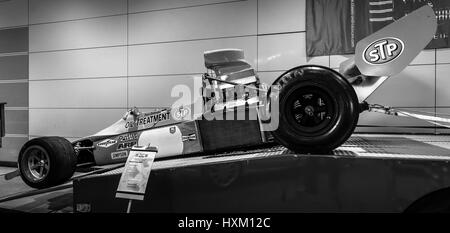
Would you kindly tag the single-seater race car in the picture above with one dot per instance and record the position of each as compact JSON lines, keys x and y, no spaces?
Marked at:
{"x":308,"y":109}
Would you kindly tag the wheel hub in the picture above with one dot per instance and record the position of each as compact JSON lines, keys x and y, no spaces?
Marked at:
{"x":37,"y":163}
{"x":311,"y":108}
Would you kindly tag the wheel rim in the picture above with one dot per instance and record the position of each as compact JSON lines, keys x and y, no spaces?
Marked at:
{"x":36,"y":163}
{"x":311,"y":109}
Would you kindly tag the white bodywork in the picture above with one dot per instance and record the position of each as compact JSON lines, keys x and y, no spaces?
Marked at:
{"x":168,"y":140}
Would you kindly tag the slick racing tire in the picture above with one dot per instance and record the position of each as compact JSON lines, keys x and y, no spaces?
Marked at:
{"x":47,"y":161}
{"x":318,"y":110}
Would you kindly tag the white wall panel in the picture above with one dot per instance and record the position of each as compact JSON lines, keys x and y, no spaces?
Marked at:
{"x":106,"y":31}
{"x":11,"y":148}
{"x":43,"y":11}
{"x":414,"y":87}
{"x":443,"y":85}
{"x":426,"y":57}
{"x":443,"y":56}
{"x":183,"y":57}
{"x":104,"y":62}
{"x":71,"y":122}
{"x":285,"y":51}
{"x":14,"y":67}
{"x":79,"y":93}
{"x":155,"y":91}
{"x":146,"y":5}
{"x":13,"y":13}
{"x":14,"y":40}
{"x":281,"y":16}
{"x":210,"y":21}
{"x":393,"y":124}
{"x":14,"y":94}
{"x":16,"y":121}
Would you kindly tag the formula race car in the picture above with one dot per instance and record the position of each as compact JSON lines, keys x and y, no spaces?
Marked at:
{"x":308,"y":109}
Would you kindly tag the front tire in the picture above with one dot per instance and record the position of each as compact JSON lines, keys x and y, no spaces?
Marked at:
{"x":318,"y":111}
{"x":47,"y":161}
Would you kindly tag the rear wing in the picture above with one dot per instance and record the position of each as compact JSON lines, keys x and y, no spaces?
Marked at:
{"x":390,"y":50}
{"x":2,"y":122}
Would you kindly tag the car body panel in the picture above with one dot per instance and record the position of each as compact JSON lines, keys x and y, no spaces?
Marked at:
{"x":175,"y":136}
{"x":171,"y":140}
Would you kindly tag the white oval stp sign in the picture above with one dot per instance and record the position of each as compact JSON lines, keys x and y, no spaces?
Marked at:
{"x":383,"y":51}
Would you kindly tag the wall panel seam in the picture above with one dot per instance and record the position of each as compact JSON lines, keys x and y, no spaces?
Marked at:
{"x":77,"y":49}
{"x":128,"y":56}
{"x":122,"y":14}
{"x":9,"y":81}
{"x":16,"y":108}
{"x":78,"y":108}
{"x":14,"y":27}
{"x":151,"y":108}
{"x":115,"y":77}
{"x":78,"y":19}
{"x":81,"y":78}
{"x":184,"y":7}
{"x":280,"y":33}
{"x":257,"y":39}
{"x":66,"y":137}
{"x":14,"y":54}
{"x":435,"y":87}
{"x":9,"y":135}
{"x":161,"y":42}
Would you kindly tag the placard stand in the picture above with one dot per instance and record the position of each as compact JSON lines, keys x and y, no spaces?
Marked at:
{"x":129,"y":205}
{"x":134,"y":179}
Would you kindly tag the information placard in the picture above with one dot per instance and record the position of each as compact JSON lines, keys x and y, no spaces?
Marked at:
{"x":134,"y":179}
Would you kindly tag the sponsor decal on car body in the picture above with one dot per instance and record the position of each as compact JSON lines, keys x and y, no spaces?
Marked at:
{"x":181,"y":113}
{"x":107,"y":143}
{"x":148,"y":119}
{"x":126,"y":145}
{"x":383,"y":51}
{"x":128,"y":137}
{"x":119,"y":155}
{"x":173,"y":129}
{"x":190,"y":137}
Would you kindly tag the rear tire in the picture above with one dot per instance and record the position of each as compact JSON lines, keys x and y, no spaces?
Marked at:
{"x":319,"y":110}
{"x":47,"y":161}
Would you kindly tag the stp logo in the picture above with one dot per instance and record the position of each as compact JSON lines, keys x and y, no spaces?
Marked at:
{"x":181,"y":113}
{"x":383,"y":51}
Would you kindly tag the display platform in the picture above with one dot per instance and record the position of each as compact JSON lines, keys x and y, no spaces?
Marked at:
{"x":369,"y":173}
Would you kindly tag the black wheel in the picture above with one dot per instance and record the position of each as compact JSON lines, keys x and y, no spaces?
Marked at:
{"x":318,"y":110}
{"x":47,"y":161}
